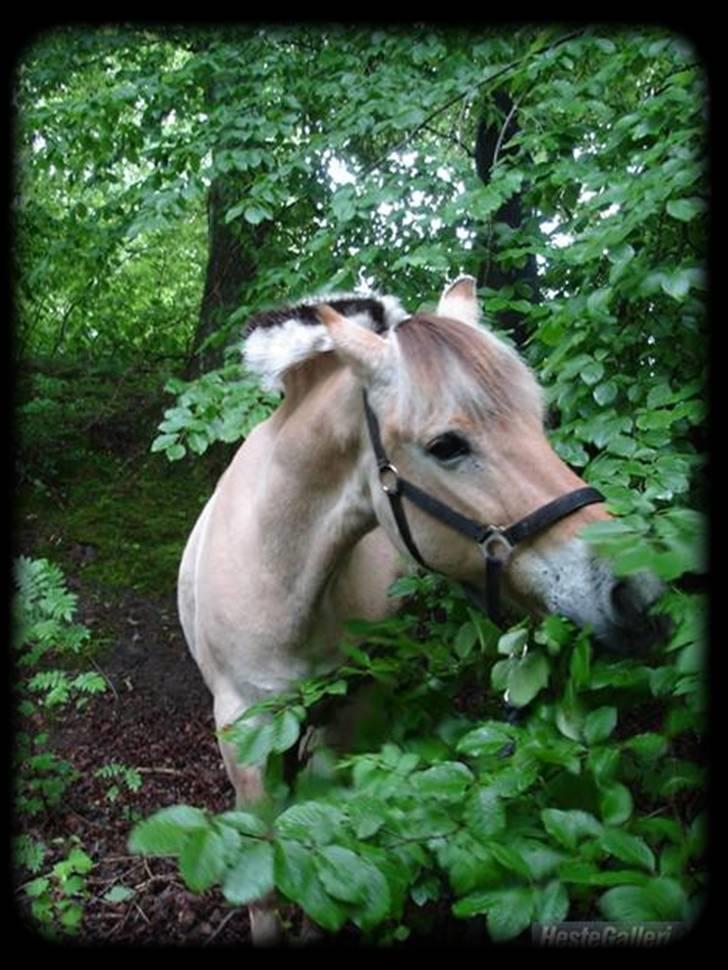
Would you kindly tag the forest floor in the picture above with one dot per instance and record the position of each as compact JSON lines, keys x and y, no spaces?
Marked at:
{"x":115,"y":518}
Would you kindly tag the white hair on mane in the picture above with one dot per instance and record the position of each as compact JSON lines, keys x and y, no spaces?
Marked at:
{"x":280,"y":339}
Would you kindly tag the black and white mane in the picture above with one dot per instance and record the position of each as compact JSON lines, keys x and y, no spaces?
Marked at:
{"x":278,"y":339}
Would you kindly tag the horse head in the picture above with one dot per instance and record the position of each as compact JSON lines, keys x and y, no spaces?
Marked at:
{"x":459,"y":417}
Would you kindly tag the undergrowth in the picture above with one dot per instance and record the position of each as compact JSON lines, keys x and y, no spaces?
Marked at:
{"x":587,"y":806}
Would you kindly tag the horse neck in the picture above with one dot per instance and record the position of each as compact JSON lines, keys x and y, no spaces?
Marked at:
{"x":314,"y":506}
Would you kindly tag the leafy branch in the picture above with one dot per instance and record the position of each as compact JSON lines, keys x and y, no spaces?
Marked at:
{"x":494,"y":76}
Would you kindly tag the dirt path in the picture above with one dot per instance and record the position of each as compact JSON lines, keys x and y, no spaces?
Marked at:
{"x":156,"y":717}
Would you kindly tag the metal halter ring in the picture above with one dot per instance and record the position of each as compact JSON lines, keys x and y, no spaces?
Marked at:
{"x":495,"y":545}
{"x":393,"y":488}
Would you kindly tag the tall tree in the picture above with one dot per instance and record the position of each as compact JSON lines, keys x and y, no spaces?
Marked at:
{"x":496,"y":127}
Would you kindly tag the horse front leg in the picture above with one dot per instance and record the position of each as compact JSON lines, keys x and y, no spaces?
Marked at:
{"x":247,"y":780}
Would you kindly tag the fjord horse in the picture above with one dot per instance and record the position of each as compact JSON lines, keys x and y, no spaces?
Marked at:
{"x":309,"y":525}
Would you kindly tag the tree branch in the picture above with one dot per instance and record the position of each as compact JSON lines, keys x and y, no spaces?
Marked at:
{"x":449,"y":136}
{"x":463,"y":94}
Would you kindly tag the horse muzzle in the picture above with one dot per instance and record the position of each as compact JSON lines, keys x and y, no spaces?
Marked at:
{"x":633,"y":628}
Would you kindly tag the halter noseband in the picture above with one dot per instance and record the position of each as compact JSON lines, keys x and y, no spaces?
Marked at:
{"x":495,"y":542}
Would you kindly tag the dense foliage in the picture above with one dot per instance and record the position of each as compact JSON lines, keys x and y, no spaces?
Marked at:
{"x":343,"y":158}
{"x":584,"y":807}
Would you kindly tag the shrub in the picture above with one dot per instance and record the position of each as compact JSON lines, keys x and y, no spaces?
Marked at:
{"x":588,"y":805}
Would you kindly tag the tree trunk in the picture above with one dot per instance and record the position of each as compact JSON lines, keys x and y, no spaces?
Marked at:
{"x":231,"y":265}
{"x":491,"y":144}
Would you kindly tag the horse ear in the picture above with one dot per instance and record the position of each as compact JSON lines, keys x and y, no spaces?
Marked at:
{"x":363,"y":350}
{"x":459,"y":300}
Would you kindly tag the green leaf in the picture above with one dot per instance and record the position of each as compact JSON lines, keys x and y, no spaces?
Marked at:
{"x":311,"y":822}
{"x":234,"y":212}
{"x":628,"y":848}
{"x":499,"y":674}
{"x":592,"y":372}
{"x":77,"y":861}
{"x":685,"y":209}
{"x":255,"y":214}
{"x":597,"y":305}
{"x":447,"y":780}
{"x":427,"y":820}
{"x":252,"y":876}
{"x":485,"y":813}
{"x":621,"y":444}
{"x":510,"y":858}
{"x":580,"y":661}
{"x":621,"y":254}
{"x":599,"y":724}
{"x":489,"y":738}
{"x":468,"y":863}
{"x":659,"y":899}
{"x":253,"y":741}
{"x":570,"y":716}
{"x":199,"y":443}
{"x":167,"y":830}
{"x":465,"y":639}
{"x":615,"y":804}
{"x":343,"y":205}
{"x":509,"y":911}
{"x":586,"y":874}
{"x":659,"y":395}
{"x":352,"y":879}
{"x":605,"y":393}
{"x":37,"y":887}
{"x":367,"y":815}
{"x":118,"y":894}
{"x":569,"y":827}
{"x":175,"y":452}
{"x":244,"y":822}
{"x":296,"y":876}
{"x":71,"y":917}
{"x":343,"y":873}
{"x":668,"y":898}
{"x":542,"y":859}
{"x":527,"y":677}
{"x":285,"y":731}
{"x":202,"y":859}
{"x":648,"y":746}
{"x":163,"y":441}
{"x":551,"y":903}
{"x":512,"y":642}
{"x":676,"y":284}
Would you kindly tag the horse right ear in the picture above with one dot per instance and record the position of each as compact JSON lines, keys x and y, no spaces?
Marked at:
{"x":460,"y":301}
{"x":361,"y":349}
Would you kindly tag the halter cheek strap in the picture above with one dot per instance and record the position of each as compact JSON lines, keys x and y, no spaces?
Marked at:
{"x":495,"y":542}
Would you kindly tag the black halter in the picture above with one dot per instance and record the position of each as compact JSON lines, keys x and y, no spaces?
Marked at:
{"x":495,"y":542}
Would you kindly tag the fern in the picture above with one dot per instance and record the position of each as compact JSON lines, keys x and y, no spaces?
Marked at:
{"x":43,"y":610}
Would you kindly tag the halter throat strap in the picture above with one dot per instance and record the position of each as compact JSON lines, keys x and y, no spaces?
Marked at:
{"x":495,"y":542}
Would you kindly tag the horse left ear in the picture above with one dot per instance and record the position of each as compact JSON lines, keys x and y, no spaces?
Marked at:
{"x":459,"y":300}
{"x":363,"y":350}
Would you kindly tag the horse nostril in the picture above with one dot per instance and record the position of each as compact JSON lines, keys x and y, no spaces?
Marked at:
{"x":632,"y":614}
{"x":625,"y":603}
{"x":628,"y":605}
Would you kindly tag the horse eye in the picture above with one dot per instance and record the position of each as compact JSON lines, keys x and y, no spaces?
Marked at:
{"x":448,"y":446}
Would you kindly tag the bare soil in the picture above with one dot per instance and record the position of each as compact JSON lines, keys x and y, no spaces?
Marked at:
{"x":156,"y":716}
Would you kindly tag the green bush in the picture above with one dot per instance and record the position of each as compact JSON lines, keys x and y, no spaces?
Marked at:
{"x":588,"y":806}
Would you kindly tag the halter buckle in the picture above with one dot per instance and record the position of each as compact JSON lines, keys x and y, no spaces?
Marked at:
{"x":393,"y":487}
{"x":495,"y":545}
